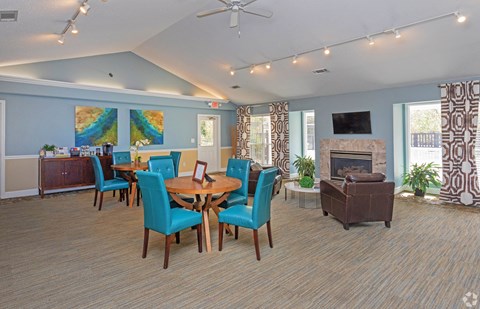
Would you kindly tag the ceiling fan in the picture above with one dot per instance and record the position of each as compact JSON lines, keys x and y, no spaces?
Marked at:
{"x":235,"y":6}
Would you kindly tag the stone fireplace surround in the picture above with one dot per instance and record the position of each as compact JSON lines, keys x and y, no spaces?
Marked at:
{"x":375,"y":146}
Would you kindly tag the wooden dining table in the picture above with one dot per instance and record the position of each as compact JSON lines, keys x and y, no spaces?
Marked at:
{"x":127,"y":171}
{"x":185,"y":185}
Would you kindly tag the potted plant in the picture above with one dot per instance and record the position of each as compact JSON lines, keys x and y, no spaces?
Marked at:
{"x":49,"y":150}
{"x":138,"y":144}
{"x":306,"y":169}
{"x":421,"y":176}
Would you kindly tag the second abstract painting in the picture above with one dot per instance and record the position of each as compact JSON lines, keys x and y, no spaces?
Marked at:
{"x":146,"y":124}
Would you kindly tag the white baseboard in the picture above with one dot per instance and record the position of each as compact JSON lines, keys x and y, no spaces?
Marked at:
{"x":21,"y":193}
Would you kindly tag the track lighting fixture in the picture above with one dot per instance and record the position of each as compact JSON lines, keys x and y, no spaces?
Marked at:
{"x":370,"y":37}
{"x":85,"y":8}
{"x":371,"y":42}
{"x":73,"y":28}
{"x":61,"y":39}
{"x":460,"y":18}
{"x":232,"y":72}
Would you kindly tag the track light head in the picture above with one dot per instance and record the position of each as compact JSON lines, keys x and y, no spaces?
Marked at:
{"x":85,"y":8}
{"x":397,"y":34}
{"x":268,"y":65}
{"x":326,"y":51}
{"x":61,"y":39}
{"x":232,"y":72}
{"x":252,"y":69}
{"x":460,"y":18}
{"x":73,"y":28}
{"x":295,"y":59}
{"x":371,"y":42}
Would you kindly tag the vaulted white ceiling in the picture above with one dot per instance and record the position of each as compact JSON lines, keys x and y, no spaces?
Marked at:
{"x":202,"y":50}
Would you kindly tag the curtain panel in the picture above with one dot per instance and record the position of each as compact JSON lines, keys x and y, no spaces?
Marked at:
{"x":459,"y":105}
{"x":243,"y":132}
{"x":280,"y":135}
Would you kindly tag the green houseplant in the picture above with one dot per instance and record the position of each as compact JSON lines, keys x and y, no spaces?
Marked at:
{"x":306,"y":168}
{"x":421,"y":176}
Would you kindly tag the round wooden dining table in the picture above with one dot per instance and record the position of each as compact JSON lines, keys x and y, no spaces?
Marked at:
{"x":185,"y":185}
{"x":127,"y":171}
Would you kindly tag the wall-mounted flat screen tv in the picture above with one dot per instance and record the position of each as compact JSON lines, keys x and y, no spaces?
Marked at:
{"x":351,"y":123}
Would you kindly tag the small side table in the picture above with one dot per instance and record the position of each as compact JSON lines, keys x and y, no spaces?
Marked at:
{"x":294,"y":187}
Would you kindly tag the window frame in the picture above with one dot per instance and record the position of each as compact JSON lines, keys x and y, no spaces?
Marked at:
{"x":266,"y":147}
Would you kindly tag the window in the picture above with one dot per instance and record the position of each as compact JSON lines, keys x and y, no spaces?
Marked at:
{"x":260,"y":139}
{"x":206,"y":132}
{"x":309,"y":134}
{"x":424,"y":134}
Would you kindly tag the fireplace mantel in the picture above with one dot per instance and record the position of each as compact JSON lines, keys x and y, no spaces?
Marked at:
{"x":375,"y":146}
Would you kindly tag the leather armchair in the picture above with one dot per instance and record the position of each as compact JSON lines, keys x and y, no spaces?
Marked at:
{"x":255,"y":170}
{"x":361,"y":198}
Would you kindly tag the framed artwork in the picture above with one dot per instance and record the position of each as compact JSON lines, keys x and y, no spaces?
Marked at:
{"x":199,"y":171}
{"x":146,"y":124}
{"x":95,"y":126}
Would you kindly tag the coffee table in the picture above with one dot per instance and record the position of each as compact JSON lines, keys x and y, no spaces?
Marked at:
{"x":293,"y":187}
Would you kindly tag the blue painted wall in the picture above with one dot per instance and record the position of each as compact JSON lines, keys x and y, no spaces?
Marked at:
{"x":380,"y":104}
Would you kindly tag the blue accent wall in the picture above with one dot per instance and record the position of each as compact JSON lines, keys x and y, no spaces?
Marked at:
{"x":380,"y":103}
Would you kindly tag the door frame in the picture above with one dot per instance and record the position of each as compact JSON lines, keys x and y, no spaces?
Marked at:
{"x":2,"y":148}
{"x":219,"y":135}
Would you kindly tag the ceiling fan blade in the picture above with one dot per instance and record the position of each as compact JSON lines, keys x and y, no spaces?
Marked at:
{"x":211,"y":12}
{"x":251,"y":1}
{"x":234,"y":19}
{"x":258,"y":12}
{"x":226,"y":2}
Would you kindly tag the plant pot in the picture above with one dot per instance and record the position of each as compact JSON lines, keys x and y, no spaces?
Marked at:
{"x":419,"y":192}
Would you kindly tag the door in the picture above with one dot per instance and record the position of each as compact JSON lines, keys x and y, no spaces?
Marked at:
{"x":209,"y":141}
{"x":2,"y":148}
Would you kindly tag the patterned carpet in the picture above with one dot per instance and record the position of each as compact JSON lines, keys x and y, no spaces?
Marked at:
{"x":60,"y":252}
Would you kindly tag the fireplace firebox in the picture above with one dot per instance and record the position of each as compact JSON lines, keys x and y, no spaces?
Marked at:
{"x":344,"y":162}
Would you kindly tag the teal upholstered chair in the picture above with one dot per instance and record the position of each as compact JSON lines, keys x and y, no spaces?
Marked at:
{"x":176,"y":160}
{"x":165,"y":167}
{"x":158,"y":215}
{"x":103,"y":185}
{"x":251,"y":217}
{"x":121,"y":157}
{"x":239,"y":169}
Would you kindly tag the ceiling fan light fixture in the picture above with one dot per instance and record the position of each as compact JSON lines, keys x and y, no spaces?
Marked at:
{"x":85,"y":8}
{"x":460,"y":18}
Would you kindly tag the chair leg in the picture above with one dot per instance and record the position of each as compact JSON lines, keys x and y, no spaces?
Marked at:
{"x":114,"y":193}
{"x":168,"y":241}
{"x":346,"y":226}
{"x":138,"y":196}
{"x":145,"y":242}
{"x":325,"y":213}
{"x":101,"y":201}
{"x":127,"y":199}
{"x":387,"y":224}
{"x":236,"y":231}
{"x":257,"y":247}
{"x":220,"y":236}
{"x":269,"y":232}
{"x":95,"y":198}
{"x":199,"y":238}
{"x":177,"y":237}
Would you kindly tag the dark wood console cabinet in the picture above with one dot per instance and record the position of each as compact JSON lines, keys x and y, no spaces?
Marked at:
{"x":63,"y":173}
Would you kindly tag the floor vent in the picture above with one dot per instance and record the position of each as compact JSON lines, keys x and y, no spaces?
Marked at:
{"x":8,"y":15}
{"x":320,"y":71}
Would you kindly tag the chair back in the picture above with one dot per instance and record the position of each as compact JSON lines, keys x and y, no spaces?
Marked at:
{"x":176,"y":160}
{"x":239,"y":169}
{"x":156,"y":207}
{"x":263,"y":197}
{"x":120,"y":157}
{"x":97,"y":169}
{"x":163,"y":166}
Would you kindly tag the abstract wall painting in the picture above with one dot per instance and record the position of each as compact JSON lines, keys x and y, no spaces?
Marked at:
{"x":146,"y":124}
{"x":95,"y":126}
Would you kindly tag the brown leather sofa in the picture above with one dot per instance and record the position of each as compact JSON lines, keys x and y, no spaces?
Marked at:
{"x":361,"y":198}
{"x":255,"y":170}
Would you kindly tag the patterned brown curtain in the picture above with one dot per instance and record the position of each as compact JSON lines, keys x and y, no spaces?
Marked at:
{"x":243,"y":132}
{"x":459,"y":132}
{"x":280,"y":137}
